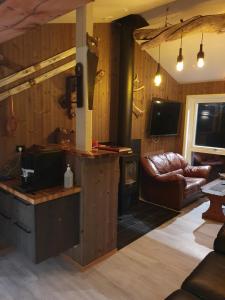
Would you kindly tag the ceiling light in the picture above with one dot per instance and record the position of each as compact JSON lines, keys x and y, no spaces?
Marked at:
{"x":201,"y":56}
{"x":180,"y":59}
{"x":158,"y":77}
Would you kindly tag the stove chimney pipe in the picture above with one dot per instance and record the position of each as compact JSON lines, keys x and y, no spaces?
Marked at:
{"x":126,"y":26}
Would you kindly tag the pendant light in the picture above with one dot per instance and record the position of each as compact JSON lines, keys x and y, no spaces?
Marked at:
{"x":180,"y":59}
{"x":201,"y":55}
{"x":158,"y":77}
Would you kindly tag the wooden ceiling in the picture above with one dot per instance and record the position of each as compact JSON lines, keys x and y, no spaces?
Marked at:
{"x":18,"y":16}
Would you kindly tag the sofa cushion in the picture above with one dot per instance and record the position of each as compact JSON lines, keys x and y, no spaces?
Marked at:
{"x":207,"y":281}
{"x":176,"y":161}
{"x":193,"y":185}
{"x":167,"y":162}
{"x":181,"y":295}
{"x":219,"y":243}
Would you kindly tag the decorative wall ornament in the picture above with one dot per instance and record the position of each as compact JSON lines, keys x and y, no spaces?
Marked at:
{"x":138,"y":112}
{"x":150,"y":38}
{"x":30,"y":83}
{"x":99,"y":75}
{"x":137,"y":86}
{"x":11,"y":122}
{"x":92,"y":58}
{"x":32,"y":69}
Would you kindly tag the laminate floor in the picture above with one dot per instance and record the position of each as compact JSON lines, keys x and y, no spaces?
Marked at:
{"x":150,"y":268}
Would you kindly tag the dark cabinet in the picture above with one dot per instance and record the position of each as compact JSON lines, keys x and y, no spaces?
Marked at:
{"x":6,"y":225}
{"x":62,"y":230}
{"x":43,"y":230}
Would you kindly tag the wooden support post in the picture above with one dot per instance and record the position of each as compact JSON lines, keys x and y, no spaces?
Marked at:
{"x":84,"y":25}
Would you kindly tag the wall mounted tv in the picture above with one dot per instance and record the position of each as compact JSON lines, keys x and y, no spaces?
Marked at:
{"x":164,"y":117}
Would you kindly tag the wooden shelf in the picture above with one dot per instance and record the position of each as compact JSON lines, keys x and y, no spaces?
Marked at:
{"x":40,"y":196}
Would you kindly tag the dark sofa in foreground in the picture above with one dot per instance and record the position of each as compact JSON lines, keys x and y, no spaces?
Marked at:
{"x":207,"y":281}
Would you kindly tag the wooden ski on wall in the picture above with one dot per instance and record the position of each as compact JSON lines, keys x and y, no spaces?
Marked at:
{"x":24,"y":86}
{"x":30,"y":70}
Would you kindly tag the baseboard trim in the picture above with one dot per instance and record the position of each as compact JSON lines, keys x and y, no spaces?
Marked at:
{"x":174,"y":210}
{"x":91,"y":264}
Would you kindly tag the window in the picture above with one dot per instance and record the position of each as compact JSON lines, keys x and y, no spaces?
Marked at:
{"x":204,"y":125}
{"x":210,"y":125}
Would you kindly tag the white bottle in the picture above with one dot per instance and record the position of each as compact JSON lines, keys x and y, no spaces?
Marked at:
{"x":68,"y":178}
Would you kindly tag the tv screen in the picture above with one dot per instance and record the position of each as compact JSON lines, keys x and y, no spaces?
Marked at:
{"x":164,"y":117}
{"x":210,"y":127}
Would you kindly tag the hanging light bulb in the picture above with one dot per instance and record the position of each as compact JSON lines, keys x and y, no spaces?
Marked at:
{"x":201,"y":55}
{"x":158,"y":76}
{"x":180,"y":59}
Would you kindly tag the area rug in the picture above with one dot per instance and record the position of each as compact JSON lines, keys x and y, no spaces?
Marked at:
{"x":139,"y":220}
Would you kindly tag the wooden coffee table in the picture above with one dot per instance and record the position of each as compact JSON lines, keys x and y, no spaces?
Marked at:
{"x":215,"y":191}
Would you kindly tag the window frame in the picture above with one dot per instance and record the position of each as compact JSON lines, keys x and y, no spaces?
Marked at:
{"x":191,"y":114}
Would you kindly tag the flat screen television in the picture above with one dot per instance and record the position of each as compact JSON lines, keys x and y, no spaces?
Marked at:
{"x":164,"y":117}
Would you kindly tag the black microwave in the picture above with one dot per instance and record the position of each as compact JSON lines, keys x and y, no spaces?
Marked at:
{"x":41,"y":168}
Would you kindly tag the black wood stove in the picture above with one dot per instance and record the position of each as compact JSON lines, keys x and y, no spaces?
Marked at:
{"x":129,"y":164}
{"x":129,"y":178}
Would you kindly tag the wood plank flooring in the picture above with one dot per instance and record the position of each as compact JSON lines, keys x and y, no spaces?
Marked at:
{"x":150,"y":268}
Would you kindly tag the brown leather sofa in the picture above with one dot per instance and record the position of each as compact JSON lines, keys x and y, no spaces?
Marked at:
{"x":168,"y":180}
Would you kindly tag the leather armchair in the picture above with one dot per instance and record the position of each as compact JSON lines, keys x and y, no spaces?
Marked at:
{"x":217,"y":162}
{"x":168,"y":180}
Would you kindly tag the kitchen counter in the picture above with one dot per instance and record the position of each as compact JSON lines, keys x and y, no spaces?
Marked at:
{"x":45,"y":195}
{"x":35,"y":225}
{"x":93,"y":154}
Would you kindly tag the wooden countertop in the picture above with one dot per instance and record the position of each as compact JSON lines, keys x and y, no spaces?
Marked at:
{"x":40,"y":196}
{"x":94,"y":153}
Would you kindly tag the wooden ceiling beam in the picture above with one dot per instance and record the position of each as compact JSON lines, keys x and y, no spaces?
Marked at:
{"x":19,"y":16}
{"x":150,"y":38}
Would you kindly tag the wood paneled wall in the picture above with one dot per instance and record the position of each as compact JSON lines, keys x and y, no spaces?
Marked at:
{"x":37,"y":109}
{"x":145,"y":68}
{"x":106,"y":92}
{"x":200,"y":88}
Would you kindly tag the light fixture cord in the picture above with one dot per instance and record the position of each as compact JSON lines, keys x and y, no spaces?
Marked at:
{"x":166,"y":21}
{"x":202,"y":39}
{"x":181,"y":39}
{"x":159,"y":53}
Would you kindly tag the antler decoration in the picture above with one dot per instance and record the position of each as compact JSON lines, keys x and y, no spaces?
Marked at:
{"x":136,"y":110}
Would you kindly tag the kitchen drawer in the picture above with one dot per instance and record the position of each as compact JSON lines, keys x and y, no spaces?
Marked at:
{"x":23,"y":213}
{"x":43,"y":230}
{"x":24,"y":240}
{"x":57,"y":226}
{"x":6,"y":201}
{"x":6,"y":228}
